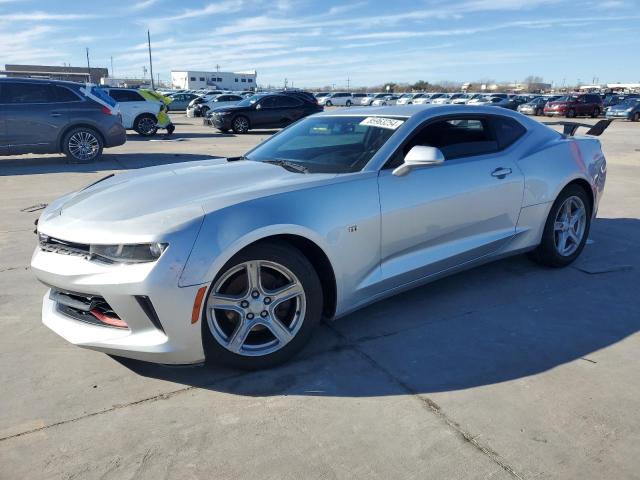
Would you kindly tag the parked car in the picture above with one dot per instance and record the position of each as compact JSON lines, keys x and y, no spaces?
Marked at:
{"x":368,"y":100}
{"x":407,"y":98}
{"x":49,"y":116}
{"x":574,"y":105}
{"x":337,"y":99}
{"x":440,"y":99}
{"x":460,"y":98}
{"x":357,"y":98}
{"x":180,"y":101}
{"x":385,"y":101}
{"x":535,"y":106}
{"x":629,"y":109}
{"x":320,"y":95}
{"x":613,"y":99}
{"x":237,"y":262}
{"x":138,"y":113}
{"x":201,"y":108}
{"x":262,"y":111}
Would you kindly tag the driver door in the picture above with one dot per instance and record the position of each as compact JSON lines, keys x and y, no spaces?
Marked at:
{"x":436,"y":218}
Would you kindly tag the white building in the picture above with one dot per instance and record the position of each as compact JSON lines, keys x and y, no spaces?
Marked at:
{"x":194,"y":80}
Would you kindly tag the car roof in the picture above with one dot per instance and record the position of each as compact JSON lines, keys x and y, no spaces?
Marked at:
{"x":41,"y":80}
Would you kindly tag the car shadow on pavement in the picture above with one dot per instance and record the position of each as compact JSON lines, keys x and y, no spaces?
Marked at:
{"x":496,"y":323}
{"x":108,"y":162}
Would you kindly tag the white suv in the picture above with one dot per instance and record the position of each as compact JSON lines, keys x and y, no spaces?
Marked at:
{"x":338,"y":99}
{"x":138,"y":113}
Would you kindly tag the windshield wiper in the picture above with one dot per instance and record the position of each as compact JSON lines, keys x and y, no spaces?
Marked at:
{"x":291,"y":166}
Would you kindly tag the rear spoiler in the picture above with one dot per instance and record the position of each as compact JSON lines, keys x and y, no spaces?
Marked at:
{"x":571,"y":127}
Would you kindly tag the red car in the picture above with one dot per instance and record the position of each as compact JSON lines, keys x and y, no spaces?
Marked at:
{"x":575,"y":104}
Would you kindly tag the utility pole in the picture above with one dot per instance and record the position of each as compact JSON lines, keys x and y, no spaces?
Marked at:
{"x":112,"y":74}
{"x":88,"y":65}
{"x":348,"y":84}
{"x":153,"y":86}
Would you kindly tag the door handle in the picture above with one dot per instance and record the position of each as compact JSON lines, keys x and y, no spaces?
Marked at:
{"x":501,"y":172}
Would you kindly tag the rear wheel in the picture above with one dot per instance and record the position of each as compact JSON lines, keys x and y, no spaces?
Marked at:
{"x":146,"y":125}
{"x":539,"y":112}
{"x":203,"y":111}
{"x":566,"y":230}
{"x":571,"y":113}
{"x":329,"y":104}
{"x":82,"y":145}
{"x":262,"y":308}
{"x":595,"y":113}
{"x":348,"y":103}
{"x":240,"y":125}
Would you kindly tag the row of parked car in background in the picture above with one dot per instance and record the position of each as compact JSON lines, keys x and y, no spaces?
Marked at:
{"x":79,"y":120}
{"x":566,"y":105}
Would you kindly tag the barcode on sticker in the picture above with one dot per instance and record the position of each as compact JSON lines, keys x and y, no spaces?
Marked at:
{"x":382,"y":122}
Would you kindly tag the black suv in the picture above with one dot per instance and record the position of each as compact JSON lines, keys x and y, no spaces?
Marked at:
{"x":267,"y":110}
{"x":49,"y":116}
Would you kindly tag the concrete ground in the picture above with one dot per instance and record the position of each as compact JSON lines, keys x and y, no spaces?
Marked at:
{"x":506,"y":371}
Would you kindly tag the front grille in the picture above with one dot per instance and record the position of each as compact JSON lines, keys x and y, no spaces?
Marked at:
{"x":55,"y":245}
{"x":86,"y":308}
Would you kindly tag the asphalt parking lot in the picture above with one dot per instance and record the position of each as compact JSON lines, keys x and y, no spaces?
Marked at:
{"x":509,"y":370}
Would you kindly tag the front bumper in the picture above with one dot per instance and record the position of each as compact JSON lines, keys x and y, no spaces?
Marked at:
{"x":221,"y":122}
{"x":618,"y":114}
{"x":170,"y":338}
{"x":555,"y":113}
{"x":117,"y":135}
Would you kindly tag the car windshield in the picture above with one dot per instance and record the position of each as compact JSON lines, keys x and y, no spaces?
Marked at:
{"x":247,"y":102}
{"x":567,"y":98}
{"x":328,"y":144}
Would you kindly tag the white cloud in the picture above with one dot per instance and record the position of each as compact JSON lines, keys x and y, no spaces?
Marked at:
{"x":38,"y":16}
{"x":142,"y":5}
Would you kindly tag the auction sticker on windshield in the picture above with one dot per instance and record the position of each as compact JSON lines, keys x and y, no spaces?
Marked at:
{"x":382,"y":122}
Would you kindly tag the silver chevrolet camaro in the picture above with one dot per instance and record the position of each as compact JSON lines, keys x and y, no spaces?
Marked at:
{"x":237,"y":260}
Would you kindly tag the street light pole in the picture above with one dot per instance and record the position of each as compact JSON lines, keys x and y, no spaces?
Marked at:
{"x":153,"y":86}
{"x":88,"y":65}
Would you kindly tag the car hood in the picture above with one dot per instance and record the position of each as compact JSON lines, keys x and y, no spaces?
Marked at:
{"x":620,"y":107}
{"x":147,"y":203}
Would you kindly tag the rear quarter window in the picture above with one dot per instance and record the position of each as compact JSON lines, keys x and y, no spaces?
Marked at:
{"x":507,"y":131}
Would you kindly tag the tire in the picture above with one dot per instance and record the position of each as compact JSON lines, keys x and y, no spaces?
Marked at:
{"x":287,"y":325}
{"x":240,"y":124}
{"x":595,"y":113}
{"x":571,"y":113}
{"x":329,"y":104}
{"x":146,"y":125}
{"x":636,"y":117}
{"x":549,"y":252}
{"x":82,"y":145}
{"x":348,"y":103}
{"x":223,"y":130}
{"x":203,"y":111}
{"x":539,"y":112}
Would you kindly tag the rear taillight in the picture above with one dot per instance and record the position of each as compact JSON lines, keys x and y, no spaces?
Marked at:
{"x":106,"y":111}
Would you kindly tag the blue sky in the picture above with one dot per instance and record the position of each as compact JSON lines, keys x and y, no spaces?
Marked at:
{"x":316,"y":43}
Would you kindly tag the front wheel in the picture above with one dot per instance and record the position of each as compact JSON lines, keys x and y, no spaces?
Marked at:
{"x":571,"y":113}
{"x":146,"y":125}
{"x":636,"y":117}
{"x":329,"y":104}
{"x":240,"y":125}
{"x":595,"y":113}
{"x":539,"y":112}
{"x":262,"y":308}
{"x":348,"y":103}
{"x":82,"y":145}
{"x":203,"y":111}
{"x":566,"y":229}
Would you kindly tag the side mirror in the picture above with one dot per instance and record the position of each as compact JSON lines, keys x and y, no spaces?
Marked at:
{"x":258,"y":106}
{"x":419,"y":156}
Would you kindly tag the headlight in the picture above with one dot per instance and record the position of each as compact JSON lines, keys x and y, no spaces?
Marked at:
{"x":630,"y":109}
{"x":133,"y":253}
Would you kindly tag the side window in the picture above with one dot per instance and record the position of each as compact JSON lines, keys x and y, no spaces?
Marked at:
{"x":507,"y":131}
{"x":288,"y":102}
{"x":455,"y":137}
{"x":63,"y":94}
{"x":126,"y":96}
{"x":27,"y":93}
{"x":268,"y":102}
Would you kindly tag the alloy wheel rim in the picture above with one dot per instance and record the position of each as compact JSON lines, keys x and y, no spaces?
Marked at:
{"x":569,"y":226}
{"x":146,"y":125}
{"x":241,"y":124}
{"x":256,"y":308}
{"x":83,"y":145}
